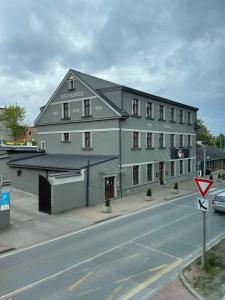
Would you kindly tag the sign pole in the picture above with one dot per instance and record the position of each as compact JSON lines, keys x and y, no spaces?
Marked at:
{"x":204,"y":241}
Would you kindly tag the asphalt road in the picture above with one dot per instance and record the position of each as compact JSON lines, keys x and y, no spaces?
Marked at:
{"x":126,"y":258}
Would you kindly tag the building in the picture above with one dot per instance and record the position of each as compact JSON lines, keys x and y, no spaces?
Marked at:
{"x":152,"y":140}
{"x":214,"y":158}
{"x":29,"y":136}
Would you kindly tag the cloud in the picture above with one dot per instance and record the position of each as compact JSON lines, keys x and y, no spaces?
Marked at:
{"x":174,"y":49}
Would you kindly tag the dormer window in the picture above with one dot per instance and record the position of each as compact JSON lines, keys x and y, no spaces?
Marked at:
{"x":71,"y":83}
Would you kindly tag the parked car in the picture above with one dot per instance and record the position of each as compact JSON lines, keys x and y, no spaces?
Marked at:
{"x":218,"y":202}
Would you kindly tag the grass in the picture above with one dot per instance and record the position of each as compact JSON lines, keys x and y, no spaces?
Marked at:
{"x":210,"y":282}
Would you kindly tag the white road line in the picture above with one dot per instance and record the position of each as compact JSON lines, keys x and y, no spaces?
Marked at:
{"x":216,"y":192}
{"x":96,"y":225}
{"x":29,"y":286}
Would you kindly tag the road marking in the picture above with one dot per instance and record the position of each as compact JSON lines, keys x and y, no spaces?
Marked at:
{"x":141,"y":273}
{"x":123,"y":280}
{"x":149,"y":281}
{"x":29,"y":286}
{"x":115,"y":292}
{"x":80,"y":281}
{"x":216,"y":192}
{"x":96,"y":225}
{"x":157,"y":250}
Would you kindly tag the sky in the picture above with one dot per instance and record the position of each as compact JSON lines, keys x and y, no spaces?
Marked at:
{"x":171,"y":48}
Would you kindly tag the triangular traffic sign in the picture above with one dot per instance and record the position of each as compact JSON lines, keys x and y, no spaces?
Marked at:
{"x":203,"y":185}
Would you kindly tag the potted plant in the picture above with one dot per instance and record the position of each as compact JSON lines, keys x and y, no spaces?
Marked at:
{"x":175,"y":188}
{"x":149,"y":195}
{"x":211,"y":177}
{"x":219,"y":177}
{"x":107,"y":206}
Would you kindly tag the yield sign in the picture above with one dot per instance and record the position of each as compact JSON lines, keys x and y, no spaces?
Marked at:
{"x":203,"y":185}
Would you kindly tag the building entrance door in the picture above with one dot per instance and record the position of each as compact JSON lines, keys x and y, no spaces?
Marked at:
{"x":109,"y":187}
{"x":161,"y":172}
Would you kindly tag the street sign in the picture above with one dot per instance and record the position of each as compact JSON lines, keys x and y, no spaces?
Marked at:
{"x":4,"y":201}
{"x":202,"y":204}
{"x":203,"y":185}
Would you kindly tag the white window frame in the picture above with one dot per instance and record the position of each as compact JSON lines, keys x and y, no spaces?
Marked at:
{"x":138,"y":114}
{"x":152,"y":116}
{"x":83,"y":107}
{"x":63,"y":109}
{"x":71,"y":82}
{"x":83,"y":138}
{"x":139,"y":175}
{"x":152,"y":171}
{"x":43,"y":143}
{"x":63,"y":137}
{"x":152,"y":141}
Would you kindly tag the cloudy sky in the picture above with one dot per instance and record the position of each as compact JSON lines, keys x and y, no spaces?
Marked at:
{"x":171,"y":48}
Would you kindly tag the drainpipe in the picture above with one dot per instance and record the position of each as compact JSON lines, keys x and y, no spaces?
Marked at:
{"x":120,"y":157}
{"x":87,"y":184}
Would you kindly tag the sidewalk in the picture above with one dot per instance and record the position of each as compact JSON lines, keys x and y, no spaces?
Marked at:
{"x":29,"y":226}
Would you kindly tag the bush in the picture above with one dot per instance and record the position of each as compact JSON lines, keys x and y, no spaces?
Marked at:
{"x":219,"y":176}
{"x":176,"y":186}
{"x":107,"y":202}
{"x":211,"y":177}
{"x":149,"y":192}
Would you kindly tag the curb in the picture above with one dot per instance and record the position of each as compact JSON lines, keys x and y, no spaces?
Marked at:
{"x":193,"y":258}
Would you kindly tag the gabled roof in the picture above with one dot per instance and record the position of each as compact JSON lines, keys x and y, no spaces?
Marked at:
{"x":212,"y":153}
{"x":60,"y":161}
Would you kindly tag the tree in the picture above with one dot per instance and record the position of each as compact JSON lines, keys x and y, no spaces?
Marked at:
{"x":203,"y":134}
{"x":13,"y":117}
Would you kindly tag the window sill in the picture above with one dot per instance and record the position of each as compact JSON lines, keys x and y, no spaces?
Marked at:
{"x":149,"y":148}
{"x":86,"y":117}
{"x":136,"y":116}
{"x":161,"y":120}
{"x":182,"y":123}
{"x":65,"y":142}
{"x":162,"y":148}
{"x":172,"y":121}
{"x":87,"y":149}
{"x":65,"y":119}
{"x":149,"y":118}
{"x":134,"y":148}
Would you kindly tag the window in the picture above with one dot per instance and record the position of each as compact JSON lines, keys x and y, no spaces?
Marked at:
{"x":135,"y":139}
{"x":149,"y":172}
{"x":161,"y":112}
{"x":172,"y":114}
{"x":189,"y":165}
{"x":181,"y":167}
{"x":189,"y":118}
{"x":181,"y":140}
{"x":189,"y":141}
{"x":161,"y":140}
{"x":87,"y":140}
{"x":149,"y":141}
{"x":135,"y":175}
{"x":172,"y":140}
{"x":71,"y":85}
{"x":19,"y":172}
{"x":181,"y":116}
{"x":135,"y":107}
{"x":149,"y":110}
{"x":66,"y":137}
{"x":43,"y":145}
{"x":172,"y":168}
{"x":65,"y":114}
{"x":87,"y":108}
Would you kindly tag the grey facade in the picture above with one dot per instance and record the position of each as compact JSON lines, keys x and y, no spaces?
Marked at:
{"x":119,"y":121}
{"x":5,"y":134}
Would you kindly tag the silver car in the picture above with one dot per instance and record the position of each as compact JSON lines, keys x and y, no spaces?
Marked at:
{"x":218,"y":202}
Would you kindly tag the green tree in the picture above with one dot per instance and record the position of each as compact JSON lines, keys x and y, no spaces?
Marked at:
{"x":13,"y":117}
{"x":220,"y":141}
{"x":203,"y":134}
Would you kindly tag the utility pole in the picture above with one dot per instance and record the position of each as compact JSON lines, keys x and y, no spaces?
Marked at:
{"x":204,"y":161}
